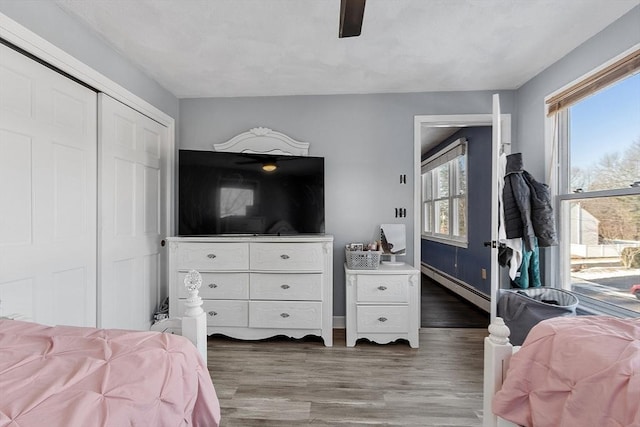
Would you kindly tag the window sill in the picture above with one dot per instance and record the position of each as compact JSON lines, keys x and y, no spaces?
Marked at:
{"x":592,"y":306}
{"x":458,"y":243}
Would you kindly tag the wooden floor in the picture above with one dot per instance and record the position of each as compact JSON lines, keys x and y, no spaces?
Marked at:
{"x":442,"y":308}
{"x":282,"y":382}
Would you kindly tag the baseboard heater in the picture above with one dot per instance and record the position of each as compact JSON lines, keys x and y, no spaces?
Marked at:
{"x":461,"y":288}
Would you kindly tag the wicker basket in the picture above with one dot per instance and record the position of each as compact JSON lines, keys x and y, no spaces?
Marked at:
{"x":363,"y":260}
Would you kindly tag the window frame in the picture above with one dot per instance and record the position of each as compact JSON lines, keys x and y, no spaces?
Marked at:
{"x":558,"y":140}
{"x":429,"y":196}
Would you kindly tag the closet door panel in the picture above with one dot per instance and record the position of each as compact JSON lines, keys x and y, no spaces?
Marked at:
{"x":66,"y":286}
{"x":131,"y":198}
{"x":15,"y":188}
{"x":124,"y":181}
{"x":48,"y":181}
{"x":18,"y":297}
{"x":70,"y":201}
{"x":151,"y":206}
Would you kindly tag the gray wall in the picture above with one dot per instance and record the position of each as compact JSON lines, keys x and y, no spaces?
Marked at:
{"x":53,"y":24}
{"x":621,"y":35}
{"x":367,"y":139}
{"x":613,"y":40}
{"x":367,"y":142}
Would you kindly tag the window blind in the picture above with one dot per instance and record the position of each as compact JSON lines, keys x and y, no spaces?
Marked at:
{"x":456,"y":149}
{"x":624,"y":67}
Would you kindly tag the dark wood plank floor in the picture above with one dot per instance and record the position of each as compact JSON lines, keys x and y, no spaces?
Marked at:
{"x":282,"y":382}
{"x":442,"y":308}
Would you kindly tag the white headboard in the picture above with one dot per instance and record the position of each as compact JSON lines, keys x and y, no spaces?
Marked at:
{"x":264,"y":141}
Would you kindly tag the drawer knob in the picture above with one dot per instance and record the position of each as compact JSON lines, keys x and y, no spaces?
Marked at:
{"x":382,"y":288}
{"x":211,"y":256}
{"x":213,"y":313}
{"x":213,"y":285}
{"x":284,"y":315}
{"x":284,"y":256}
{"x":382,"y":319}
{"x":285,"y":286}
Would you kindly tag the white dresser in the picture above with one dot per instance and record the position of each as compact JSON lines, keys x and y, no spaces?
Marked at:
{"x":383,"y":305}
{"x":257,"y":287}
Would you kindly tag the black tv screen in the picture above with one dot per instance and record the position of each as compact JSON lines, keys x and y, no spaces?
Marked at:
{"x":230,"y":193}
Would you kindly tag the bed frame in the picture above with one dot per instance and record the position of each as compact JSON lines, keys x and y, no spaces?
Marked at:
{"x":497,"y":355}
{"x":193,"y":324}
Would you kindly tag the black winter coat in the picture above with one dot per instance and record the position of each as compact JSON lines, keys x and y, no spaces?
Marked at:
{"x":527,"y":206}
{"x":542,"y":217}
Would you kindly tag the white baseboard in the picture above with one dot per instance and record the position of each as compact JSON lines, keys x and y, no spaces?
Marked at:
{"x":460,"y":288}
{"x":339,"y":322}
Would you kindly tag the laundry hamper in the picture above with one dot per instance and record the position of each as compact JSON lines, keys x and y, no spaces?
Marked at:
{"x":522,"y":309}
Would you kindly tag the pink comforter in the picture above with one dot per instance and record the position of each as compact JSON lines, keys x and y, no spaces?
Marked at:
{"x":85,"y":377}
{"x":575,"y":371}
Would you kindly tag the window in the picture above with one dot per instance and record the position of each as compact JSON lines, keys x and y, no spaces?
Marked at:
{"x":444,"y":195}
{"x":235,"y":201}
{"x":599,"y":192}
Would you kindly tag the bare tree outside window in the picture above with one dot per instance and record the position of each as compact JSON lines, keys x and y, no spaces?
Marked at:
{"x":604,"y":168}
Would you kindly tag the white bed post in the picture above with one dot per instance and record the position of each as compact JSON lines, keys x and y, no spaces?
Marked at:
{"x":194,"y":319}
{"x":497,"y":353}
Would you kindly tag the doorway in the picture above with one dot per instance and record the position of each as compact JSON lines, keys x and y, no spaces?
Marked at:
{"x":464,"y":280}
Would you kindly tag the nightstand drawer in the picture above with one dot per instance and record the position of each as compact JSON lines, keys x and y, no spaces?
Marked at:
{"x":382,"y":288}
{"x":287,"y":256}
{"x":219,"y":286}
{"x":287,"y":315}
{"x":213,"y":256}
{"x":382,"y":318}
{"x":286,"y":287}
{"x":223,"y":313}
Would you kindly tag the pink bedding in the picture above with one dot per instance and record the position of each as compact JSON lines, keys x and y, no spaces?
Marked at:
{"x":69,"y":376}
{"x":575,"y":371}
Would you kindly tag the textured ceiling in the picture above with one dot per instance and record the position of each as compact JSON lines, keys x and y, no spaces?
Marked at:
{"x":224,"y":48}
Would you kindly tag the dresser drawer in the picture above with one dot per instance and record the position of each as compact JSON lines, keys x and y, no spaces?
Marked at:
{"x":382,"y":288}
{"x":380,"y":318}
{"x":287,"y":315}
{"x":223,"y":313}
{"x":213,"y":256}
{"x":286,"y":287}
{"x":219,"y":286}
{"x":286,"y":256}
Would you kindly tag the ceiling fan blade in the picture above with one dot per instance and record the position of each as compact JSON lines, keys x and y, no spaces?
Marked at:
{"x":351,"y":14}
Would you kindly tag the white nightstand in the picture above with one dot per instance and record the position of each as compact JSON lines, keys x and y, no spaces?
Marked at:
{"x":383,"y":305}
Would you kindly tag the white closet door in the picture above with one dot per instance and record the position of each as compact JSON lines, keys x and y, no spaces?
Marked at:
{"x":133,"y":196}
{"x":47,"y":194}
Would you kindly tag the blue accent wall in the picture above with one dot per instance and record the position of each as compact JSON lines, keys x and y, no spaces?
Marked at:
{"x":465,"y":264}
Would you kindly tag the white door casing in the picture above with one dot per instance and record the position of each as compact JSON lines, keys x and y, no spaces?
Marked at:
{"x":496,"y":141}
{"x":133,"y":196}
{"x":457,"y":120}
{"x":47,"y":194}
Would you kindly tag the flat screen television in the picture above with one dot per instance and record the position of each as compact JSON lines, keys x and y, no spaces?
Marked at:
{"x":231,"y":193}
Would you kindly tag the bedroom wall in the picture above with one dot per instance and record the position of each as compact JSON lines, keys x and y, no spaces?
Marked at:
{"x":53,"y":24}
{"x":367,"y":139}
{"x":465,"y":264}
{"x":615,"y":39}
{"x":621,"y":35}
{"x":367,"y":142}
